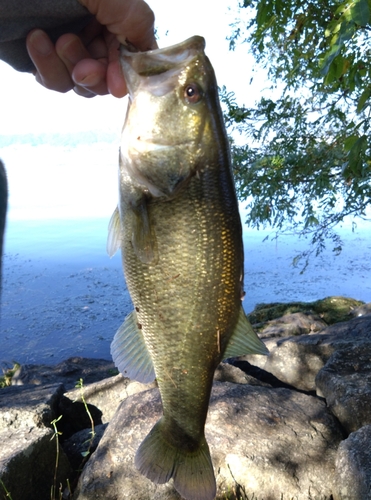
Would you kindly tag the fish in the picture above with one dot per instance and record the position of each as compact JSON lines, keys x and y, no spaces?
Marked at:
{"x":179,"y":229}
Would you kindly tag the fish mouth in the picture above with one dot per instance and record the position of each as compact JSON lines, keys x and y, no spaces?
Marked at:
{"x":159,"y":68}
{"x":157,"y":61}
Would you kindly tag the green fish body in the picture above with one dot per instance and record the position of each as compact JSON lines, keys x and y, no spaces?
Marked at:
{"x":180,"y":233}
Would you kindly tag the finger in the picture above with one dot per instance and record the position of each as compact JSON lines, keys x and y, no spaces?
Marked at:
{"x":81,"y":91}
{"x":127,"y":19}
{"x":115,"y":80}
{"x":71,"y":50}
{"x":89,"y":76}
{"x":51,"y":71}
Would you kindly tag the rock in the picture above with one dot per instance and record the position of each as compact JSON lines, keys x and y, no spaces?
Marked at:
{"x":27,"y":463}
{"x":352,"y":479}
{"x":27,"y":453}
{"x":270,"y":435}
{"x":258,"y":376}
{"x":82,"y":444}
{"x":26,"y":407}
{"x":361,"y":310}
{"x":76,"y":416}
{"x":290,"y":325}
{"x":226,"y":372}
{"x":107,"y":394}
{"x":345,"y":382}
{"x":297,"y":360}
{"x":268,"y":443}
{"x":68,"y":372}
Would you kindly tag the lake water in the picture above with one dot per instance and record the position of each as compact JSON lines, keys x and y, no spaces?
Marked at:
{"x":63,"y":296}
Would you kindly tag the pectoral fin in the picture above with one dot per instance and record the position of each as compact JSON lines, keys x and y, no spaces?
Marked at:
{"x":143,"y":235}
{"x":114,"y":233}
{"x":129,"y":351}
{"x":244,"y":340}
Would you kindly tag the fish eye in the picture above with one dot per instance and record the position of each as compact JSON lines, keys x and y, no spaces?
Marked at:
{"x":192,"y":93}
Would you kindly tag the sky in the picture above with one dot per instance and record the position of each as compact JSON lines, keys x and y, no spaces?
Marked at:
{"x":58,"y":183}
{"x":27,"y":107}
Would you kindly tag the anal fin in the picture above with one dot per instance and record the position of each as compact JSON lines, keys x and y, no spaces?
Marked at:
{"x":244,"y":340}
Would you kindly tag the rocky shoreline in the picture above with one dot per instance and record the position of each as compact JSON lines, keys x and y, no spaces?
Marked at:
{"x":293,"y":425}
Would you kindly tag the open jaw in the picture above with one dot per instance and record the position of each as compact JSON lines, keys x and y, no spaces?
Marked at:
{"x":155,"y":62}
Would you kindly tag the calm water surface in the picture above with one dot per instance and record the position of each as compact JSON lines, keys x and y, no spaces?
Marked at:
{"x":63,"y":296}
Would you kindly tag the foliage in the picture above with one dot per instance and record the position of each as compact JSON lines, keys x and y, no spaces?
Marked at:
{"x":306,"y":161}
{"x":53,"y":490}
{"x":8,"y":373}
{"x":6,"y":492}
{"x":85,"y":454}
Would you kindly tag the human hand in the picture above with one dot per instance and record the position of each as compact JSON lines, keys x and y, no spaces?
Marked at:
{"x":89,"y":62}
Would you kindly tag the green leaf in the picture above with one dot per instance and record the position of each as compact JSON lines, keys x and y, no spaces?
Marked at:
{"x":354,"y":158}
{"x":349,"y":142}
{"x":360,"y":12}
{"x":362,"y":100}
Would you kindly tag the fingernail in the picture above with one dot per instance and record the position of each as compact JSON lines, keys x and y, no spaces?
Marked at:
{"x":41,"y":42}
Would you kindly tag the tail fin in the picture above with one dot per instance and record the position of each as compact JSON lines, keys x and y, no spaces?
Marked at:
{"x":192,"y":471}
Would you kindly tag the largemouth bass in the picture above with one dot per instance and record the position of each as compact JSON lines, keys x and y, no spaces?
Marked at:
{"x":180,"y":234}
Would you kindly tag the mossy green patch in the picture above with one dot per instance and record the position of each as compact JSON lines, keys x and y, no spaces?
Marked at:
{"x":331,"y":309}
{"x":6,"y":378}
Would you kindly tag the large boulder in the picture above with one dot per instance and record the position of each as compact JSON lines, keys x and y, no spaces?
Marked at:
{"x":28,"y":454}
{"x":345,"y":382}
{"x":290,"y":325}
{"x":297,"y":360}
{"x":353,"y":467}
{"x":107,"y":394}
{"x":264,"y":442}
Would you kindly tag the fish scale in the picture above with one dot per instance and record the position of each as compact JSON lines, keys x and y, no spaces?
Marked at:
{"x":180,"y":234}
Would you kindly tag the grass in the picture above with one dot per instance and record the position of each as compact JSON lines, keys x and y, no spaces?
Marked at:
{"x":85,"y":454}
{"x":7,"y":493}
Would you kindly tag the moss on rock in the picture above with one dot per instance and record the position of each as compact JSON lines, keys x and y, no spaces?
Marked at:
{"x":330,"y":309}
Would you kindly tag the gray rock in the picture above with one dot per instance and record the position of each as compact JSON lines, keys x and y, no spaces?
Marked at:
{"x":27,"y":453}
{"x":25,"y":407}
{"x":297,"y":360}
{"x":27,"y":463}
{"x":68,"y":372}
{"x":266,"y":443}
{"x":229,"y":373}
{"x":107,"y":394}
{"x":294,"y":324}
{"x":82,"y":444}
{"x":345,"y":382}
{"x":361,"y":310}
{"x":352,"y":479}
